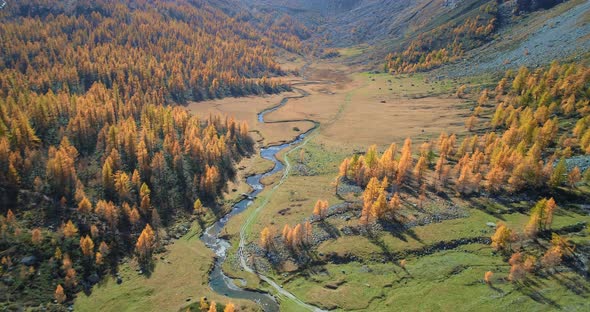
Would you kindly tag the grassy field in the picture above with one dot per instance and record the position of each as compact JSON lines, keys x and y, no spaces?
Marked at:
{"x":451,"y":275}
{"x":447,"y":280}
{"x":474,"y":225}
{"x":386,"y":285}
{"x":180,"y":277}
{"x":353,"y":51}
{"x":361,"y":109}
{"x":352,"y":116}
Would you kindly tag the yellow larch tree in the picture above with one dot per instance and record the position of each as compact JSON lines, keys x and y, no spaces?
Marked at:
{"x":145,"y":244}
{"x":87,"y":246}
{"x":60,"y":295}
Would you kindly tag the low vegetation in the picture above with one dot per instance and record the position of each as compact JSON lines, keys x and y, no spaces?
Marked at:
{"x":528,"y":133}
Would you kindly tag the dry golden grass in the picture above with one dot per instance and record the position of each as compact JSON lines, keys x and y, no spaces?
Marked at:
{"x":321,"y":107}
{"x":247,"y":109}
{"x":351,"y":109}
{"x":368,"y":121}
{"x":337,"y":73}
{"x":290,"y":61}
{"x":352,"y":117}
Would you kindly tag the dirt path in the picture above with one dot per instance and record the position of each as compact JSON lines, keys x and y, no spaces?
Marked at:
{"x":320,"y":78}
{"x":254,"y":214}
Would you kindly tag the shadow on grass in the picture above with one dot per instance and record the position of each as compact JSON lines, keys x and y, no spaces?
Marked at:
{"x":201,"y":222}
{"x":305,"y":258}
{"x":529,"y":288}
{"x":390,"y":256}
{"x":398,"y":230}
{"x":330,"y":229}
{"x":566,"y":195}
{"x":254,"y":267}
{"x":487,"y":208}
{"x":407,"y":275}
{"x":148,"y":268}
{"x":378,"y":241}
{"x":443,"y":195}
{"x":574,"y":284}
{"x":496,"y":289}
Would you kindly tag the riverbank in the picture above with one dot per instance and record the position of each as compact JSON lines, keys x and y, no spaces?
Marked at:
{"x":180,"y":277}
{"x":219,"y":243}
{"x":181,"y":274}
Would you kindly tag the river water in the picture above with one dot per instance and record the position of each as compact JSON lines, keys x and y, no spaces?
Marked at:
{"x":218,"y":281}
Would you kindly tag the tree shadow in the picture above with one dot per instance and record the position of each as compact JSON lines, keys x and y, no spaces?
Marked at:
{"x":378,"y":241}
{"x":528,"y":287}
{"x":147,"y":267}
{"x":486,"y":208}
{"x":575,"y":285}
{"x":406,"y":271}
{"x":391,"y":256}
{"x":274,"y":260}
{"x":201,"y":222}
{"x":398,"y":230}
{"x":529,"y":282}
{"x":216,"y":208}
{"x":565,"y":195}
{"x":313,"y":269}
{"x":496,"y":289}
{"x":330,"y":229}
{"x":254,"y":266}
{"x":442,"y":194}
{"x":304,"y":257}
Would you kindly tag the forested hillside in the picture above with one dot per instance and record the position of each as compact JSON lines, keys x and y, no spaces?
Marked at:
{"x":175,"y":50}
{"x":95,"y":158}
{"x":446,"y":42}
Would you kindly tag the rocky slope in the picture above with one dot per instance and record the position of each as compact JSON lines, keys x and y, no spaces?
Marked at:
{"x":541,"y":29}
{"x":538,"y":39}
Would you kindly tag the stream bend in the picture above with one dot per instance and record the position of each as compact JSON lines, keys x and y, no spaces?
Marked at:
{"x":218,"y":281}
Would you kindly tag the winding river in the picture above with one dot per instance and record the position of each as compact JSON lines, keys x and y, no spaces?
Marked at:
{"x":218,"y":281}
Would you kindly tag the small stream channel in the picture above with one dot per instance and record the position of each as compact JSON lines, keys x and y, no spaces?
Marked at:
{"x":218,"y":281}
